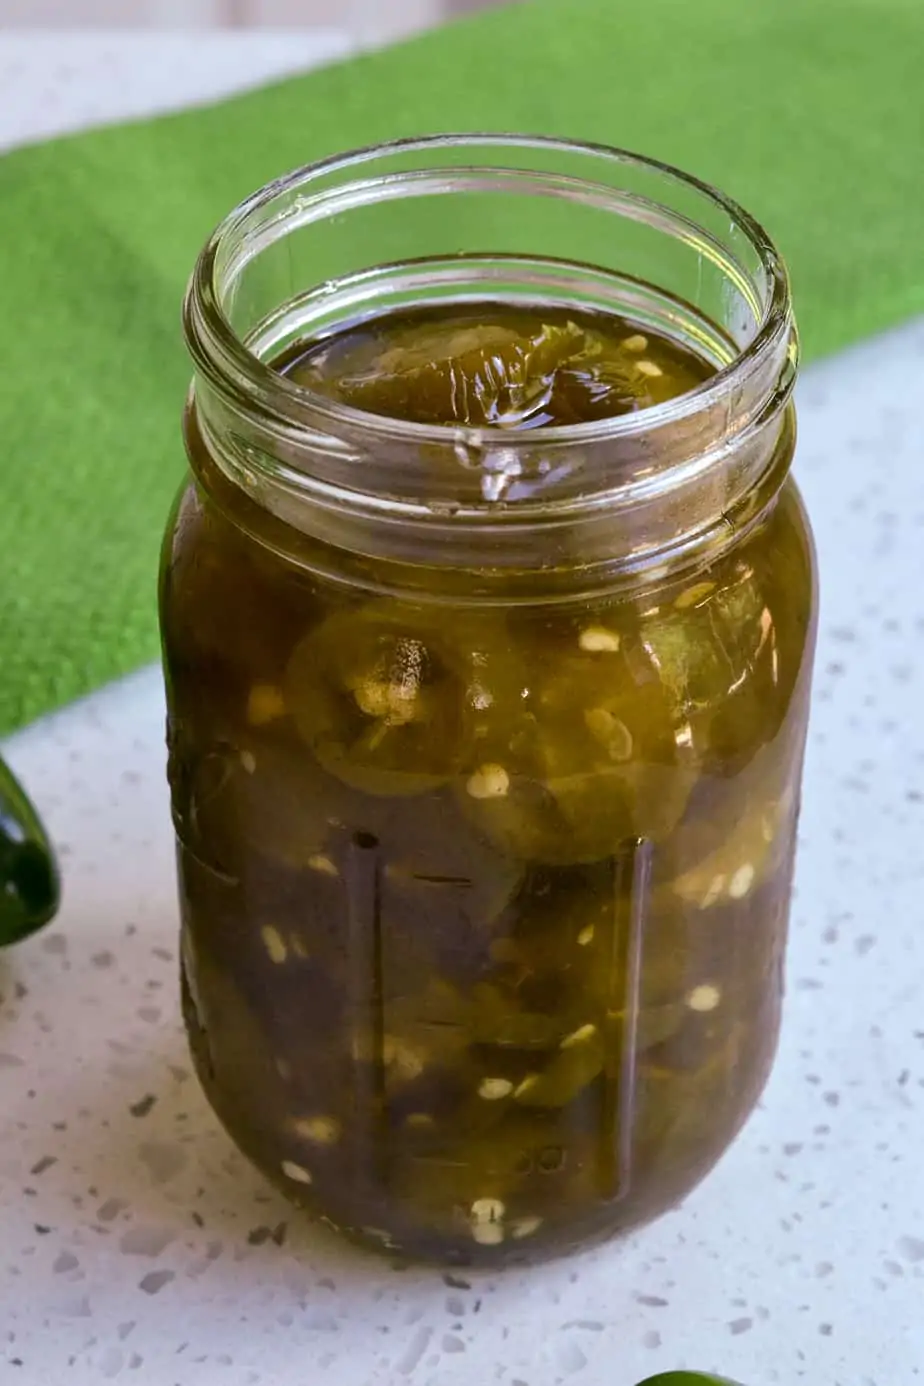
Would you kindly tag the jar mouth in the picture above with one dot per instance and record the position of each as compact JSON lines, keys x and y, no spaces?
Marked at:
{"x":333,"y":187}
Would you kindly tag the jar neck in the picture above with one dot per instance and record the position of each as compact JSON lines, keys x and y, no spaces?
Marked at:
{"x":567,"y":226}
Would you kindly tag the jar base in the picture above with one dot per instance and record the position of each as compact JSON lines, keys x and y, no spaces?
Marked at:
{"x":517,"y":1245}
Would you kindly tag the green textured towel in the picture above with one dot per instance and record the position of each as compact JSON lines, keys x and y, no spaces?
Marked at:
{"x":810,"y":112}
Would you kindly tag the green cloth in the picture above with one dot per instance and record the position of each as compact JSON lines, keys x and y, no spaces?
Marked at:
{"x":809,"y":112}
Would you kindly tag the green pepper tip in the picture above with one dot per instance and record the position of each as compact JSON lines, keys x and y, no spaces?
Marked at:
{"x":30,"y":888}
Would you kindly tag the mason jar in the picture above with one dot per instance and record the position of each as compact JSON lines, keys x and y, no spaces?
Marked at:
{"x":485,"y":744}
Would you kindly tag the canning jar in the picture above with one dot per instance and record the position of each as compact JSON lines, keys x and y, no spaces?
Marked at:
{"x":485,"y":739}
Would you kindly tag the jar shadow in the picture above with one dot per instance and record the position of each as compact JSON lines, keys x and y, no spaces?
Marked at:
{"x":135,"y":1169}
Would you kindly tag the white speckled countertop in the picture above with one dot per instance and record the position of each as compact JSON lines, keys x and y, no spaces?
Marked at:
{"x":136,"y":1246}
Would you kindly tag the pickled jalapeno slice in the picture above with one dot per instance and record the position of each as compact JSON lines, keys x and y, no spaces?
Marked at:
{"x":502,"y":367}
{"x":580,"y":757}
{"x":377,"y":701}
{"x":287,"y":809}
{"x":710,"y":643}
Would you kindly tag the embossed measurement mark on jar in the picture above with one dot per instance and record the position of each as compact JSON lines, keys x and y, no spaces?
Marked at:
{"x":619,"y":941}
{"x":365,"y":1004}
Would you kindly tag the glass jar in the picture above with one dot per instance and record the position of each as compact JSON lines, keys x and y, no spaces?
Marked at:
{"x":485,"y":746}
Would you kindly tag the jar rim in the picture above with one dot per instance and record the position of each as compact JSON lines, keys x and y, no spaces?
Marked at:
{"x":222,"y":356}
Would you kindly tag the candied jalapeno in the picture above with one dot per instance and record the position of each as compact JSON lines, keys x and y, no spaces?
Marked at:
{"x":704,"y":644}
{"x":575,"y":756}
{"x":612,"y":375}
{"x":727,"y":644}
{"x":735,"y":832}
{"x":380,"y":694}
{"x":230,"y":615}
{"x":286,"y":809}
{"x":502,"y":366}
{"x":485,"y":737}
